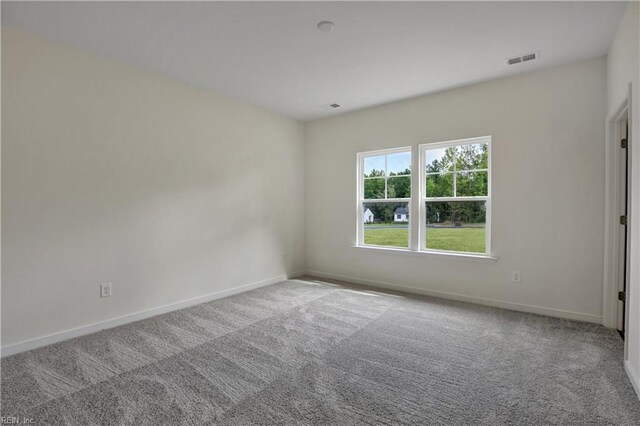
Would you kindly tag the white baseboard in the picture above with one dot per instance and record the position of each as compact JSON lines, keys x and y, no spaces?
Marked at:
{"x":633,"y":377}
{"x":296,"y":274}
{"x":137,"y":316}
{"x":463,"y":298}
{"x":114,"y":322}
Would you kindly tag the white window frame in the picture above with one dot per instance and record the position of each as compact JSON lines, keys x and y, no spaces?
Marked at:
{"x":417,"y":209}
{"x":361,"y":200}
{"x":423,"y":199}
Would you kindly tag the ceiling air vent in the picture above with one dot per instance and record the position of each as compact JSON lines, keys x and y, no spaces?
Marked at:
{"x":523,"y":58}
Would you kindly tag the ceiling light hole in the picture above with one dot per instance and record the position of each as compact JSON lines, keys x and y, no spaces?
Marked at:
{"x":326,"y":26}
{"x":335,"y":105}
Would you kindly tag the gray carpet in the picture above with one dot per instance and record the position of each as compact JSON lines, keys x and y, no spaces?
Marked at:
{"x":309,"y":352}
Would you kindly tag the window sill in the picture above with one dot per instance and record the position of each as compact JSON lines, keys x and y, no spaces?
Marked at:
{"x":435,"y":254}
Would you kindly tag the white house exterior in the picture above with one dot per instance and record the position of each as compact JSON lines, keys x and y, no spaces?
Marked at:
{"x":401,"y":214}
{"x":368,"y":216}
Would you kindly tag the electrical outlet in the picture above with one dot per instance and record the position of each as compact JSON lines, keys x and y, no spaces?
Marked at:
{"x":105,"y":290}
{"x":516,"y":277}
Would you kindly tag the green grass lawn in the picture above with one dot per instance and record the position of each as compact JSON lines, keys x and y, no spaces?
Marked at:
{"x":395,"y":237}
{"x":455,"y":239}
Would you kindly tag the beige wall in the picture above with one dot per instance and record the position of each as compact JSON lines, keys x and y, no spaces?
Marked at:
{"x":548,"y":190}
{"x":623,"y":68}
{"x":110,"y":174}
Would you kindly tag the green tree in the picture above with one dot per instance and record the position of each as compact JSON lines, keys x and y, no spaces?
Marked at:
{"x":456,"y":213}
{"x":374,"y":188}
{"x":466,"y":157}
{"x":399,"y":185}
{"x":375,"y":173}
{"x":444,"y":164}
{"x":472,"y":157}
{"x":440,"y":185}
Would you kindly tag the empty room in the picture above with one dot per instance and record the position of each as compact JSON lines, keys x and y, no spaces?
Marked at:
{"x":320,"y":213}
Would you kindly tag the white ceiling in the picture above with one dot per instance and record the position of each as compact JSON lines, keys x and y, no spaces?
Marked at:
{"x":270,"y":54}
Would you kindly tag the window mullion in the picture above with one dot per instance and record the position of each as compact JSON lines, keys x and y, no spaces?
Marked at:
{"x":455,"y":172}
{"x":414,"y":207}
{"x":386,"y":194}
{"x":359,"y":207}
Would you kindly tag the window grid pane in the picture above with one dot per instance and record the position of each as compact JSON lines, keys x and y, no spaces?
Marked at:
{"x":472,"y":156}
{"x":386,"y":224}
{"x":374,"y":188}
{"x":378,"y":183}
{"x":438,"y":185}
{"x":472,"y":184}
{"x":458,"y":226}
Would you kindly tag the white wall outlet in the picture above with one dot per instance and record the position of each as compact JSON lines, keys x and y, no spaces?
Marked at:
{"x":516,"y":277}
{"x":105,"y":290}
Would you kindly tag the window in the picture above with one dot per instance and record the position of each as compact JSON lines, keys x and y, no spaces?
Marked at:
{"x":455,"y":193}
{"x":384,"y":195}
{"x":453,"y":200}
